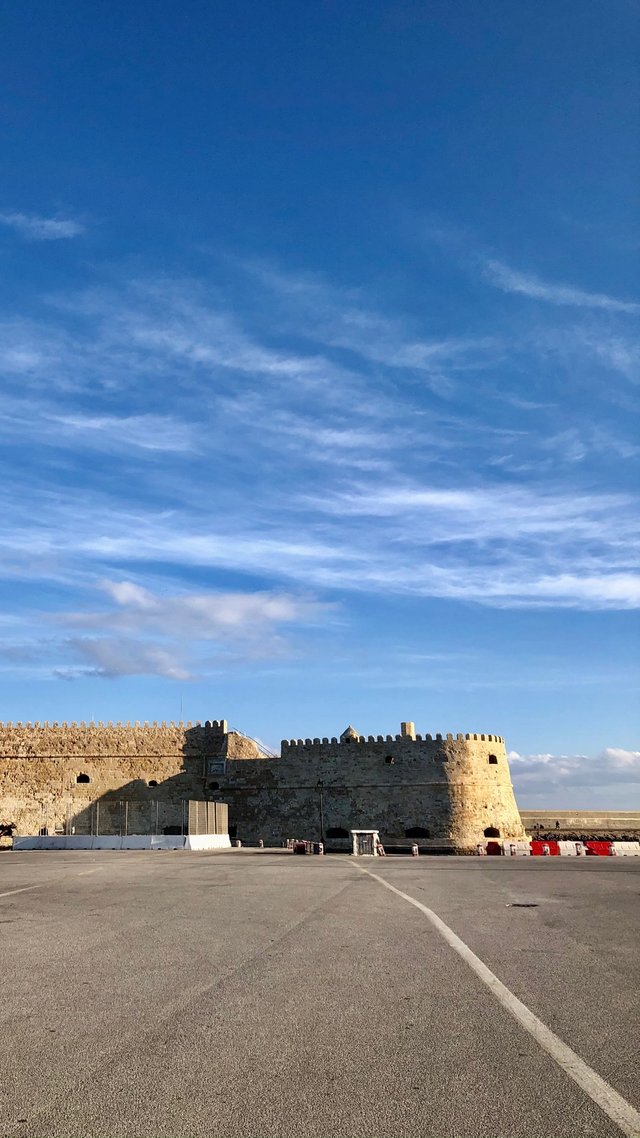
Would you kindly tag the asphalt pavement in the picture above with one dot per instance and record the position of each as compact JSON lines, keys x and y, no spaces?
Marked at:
{"x":239,"y":995}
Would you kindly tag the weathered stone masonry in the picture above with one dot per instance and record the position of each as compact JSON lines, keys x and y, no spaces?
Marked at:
{"x":447,"y":791}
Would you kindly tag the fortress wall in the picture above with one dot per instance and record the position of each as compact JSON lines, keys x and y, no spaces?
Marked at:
{"x":445,"y":785}
{"x":39,"y":765}
{"x":101,"y":740}
{"x":43,"y":792}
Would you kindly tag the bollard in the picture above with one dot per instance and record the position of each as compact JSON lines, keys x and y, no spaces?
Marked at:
{"x":260,"y":843}
{"x":415,"y":852}
{"x":513,"y":849}
{"x":546,"y":852}
{"x":237,"y":843}
{"x":481,"y":850}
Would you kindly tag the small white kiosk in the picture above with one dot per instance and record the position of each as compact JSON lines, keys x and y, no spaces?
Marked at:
{"x":364,"y":843}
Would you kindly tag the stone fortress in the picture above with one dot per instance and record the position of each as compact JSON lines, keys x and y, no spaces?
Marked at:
{"x":447,"y":792}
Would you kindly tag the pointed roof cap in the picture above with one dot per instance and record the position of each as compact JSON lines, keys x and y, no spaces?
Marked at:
{"x":350,"y":733}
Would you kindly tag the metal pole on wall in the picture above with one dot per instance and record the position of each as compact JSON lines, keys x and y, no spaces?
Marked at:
{"x":126,"y":818}
{"x":97,"y":819}
{"x":320,"y":786}
{"x":182,"y":819}
{"x":156,"y":829}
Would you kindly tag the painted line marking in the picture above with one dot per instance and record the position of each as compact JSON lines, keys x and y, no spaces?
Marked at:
{"x":614,"y":1105}
{"x":42,"y":884}
{"x":23,"y":889}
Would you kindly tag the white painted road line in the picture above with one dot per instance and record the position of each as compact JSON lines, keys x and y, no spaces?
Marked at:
{"x":24,"y":889}
{"x":618,"y":1109}
{"x":41,"y":885}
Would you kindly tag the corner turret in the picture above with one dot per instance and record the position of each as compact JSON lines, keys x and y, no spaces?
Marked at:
{"x":349,"y":733}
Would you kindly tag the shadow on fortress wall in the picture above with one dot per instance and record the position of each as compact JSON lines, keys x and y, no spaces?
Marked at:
{"x":150,"y":805}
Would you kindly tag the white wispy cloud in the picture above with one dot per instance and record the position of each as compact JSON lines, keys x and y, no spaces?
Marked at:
{"x":45,"y":424}
{"x":162,"y":634}
{"x":112,"y":657}
{"x":239,"y":452}
{"x":527,"y":284}
{"x":494,"y":546}
{"x":341,"y":318}
{"x":200,"y":616}
{"x":37,"y":228}
{"x":619,"y":353}
{"x":609,"y":780}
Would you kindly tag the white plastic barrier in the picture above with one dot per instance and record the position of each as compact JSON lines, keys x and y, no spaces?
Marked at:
{"x":52,"y":842}
{"x":41,"y":842}
{"x":27,"y":843}
{"x":135,"y":842}
{"x":516,"y":848}
{"x":627,"y":849}
{"x":130,"y":842}
{"x":77,"y":842}
{"x":572,"y":849}
{"x":166,"y":842}
{"x":207,"y":842}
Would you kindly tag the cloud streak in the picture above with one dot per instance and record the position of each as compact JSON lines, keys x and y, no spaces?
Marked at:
{"x":490,"y":545}
{"x":526,"y":284}
{"x":147,"y":633}
{"x":37,"y":228}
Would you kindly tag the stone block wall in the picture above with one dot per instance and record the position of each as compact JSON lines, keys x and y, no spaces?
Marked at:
{"x":451,"y":788}
{"x":134,"y":764}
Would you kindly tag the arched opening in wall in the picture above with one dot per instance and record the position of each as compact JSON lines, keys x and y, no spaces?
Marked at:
{"x":493,"y":760}
{"x":337,"y":832}
{"x":389,"y":760}
{"x":83,"y":778}
{"x":152,"y":782}
{"x":417,"y":832}
{"x":492,"y":832}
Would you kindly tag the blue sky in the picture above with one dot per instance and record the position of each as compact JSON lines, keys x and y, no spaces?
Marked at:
{"x":319,"y":353}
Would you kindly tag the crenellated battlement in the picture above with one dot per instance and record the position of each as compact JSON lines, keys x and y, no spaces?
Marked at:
{"x":217,"y":725}
{"x":104,"y":740}
{"x":406,"y":740}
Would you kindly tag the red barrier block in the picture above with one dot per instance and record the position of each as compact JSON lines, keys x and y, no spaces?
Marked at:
{"x":602,"y":849}
{"x":537,"y":849}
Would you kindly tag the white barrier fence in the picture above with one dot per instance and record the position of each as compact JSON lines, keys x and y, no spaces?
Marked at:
{"x":516,"y":849}
{"x":572,"y":849}
{"x":130,"y":842}
{"x":626,"y":849}
{"x":568,"y":848}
